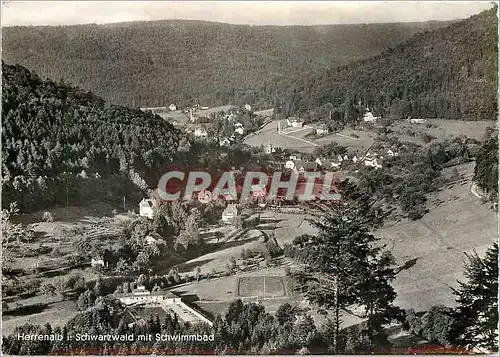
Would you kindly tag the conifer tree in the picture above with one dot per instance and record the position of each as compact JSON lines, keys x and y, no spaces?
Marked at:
{"x":477,"y":298}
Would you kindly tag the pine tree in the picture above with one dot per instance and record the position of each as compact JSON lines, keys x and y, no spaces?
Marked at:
{"x":477,"y":299}
{"x":345,"y":266}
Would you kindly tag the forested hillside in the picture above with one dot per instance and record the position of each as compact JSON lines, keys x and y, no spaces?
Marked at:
{"x":52,"y":132}
{"x":447,"y":73}
{"x":162,"y":62}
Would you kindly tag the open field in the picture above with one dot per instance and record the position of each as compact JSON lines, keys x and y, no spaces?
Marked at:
{"x":269,"y":134}
{"x":295,"y":138}
{"x":271,"y":286}
{"x":440,"y":129}
{"x":438,"y":241}
{"x":361,"y":140}
{"x":48,"y":256}
{"x":183,"y":118}
{"x":57,"y":314}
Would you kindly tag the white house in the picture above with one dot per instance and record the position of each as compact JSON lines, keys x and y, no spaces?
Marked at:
{"x":172,"y":107}
{"x":147,"y":208}
{"x":229,"y":213}
{"x":346,"y":157}
{"x":335,"y":165}
{"x":355,"y":159}
{"x":340,"y":158}
{"x":269,"y":149}
{"x":294,"y":123}
{"x":200,"y":133}
{"x":371,"y":161}
{"x":225,"y":142}
{"x":205,"y":108}
{"x":322,"y":130}
{"x":97,"y":262}
{"x":290,"y":165}
{"x":141,"y":296}
{"x":392,"y":153}
{"x":248,"y":107}
{"x":369,"y":117}
{"x":417,"y":121}
{"x":239,"y":130}
{"x":318,"y":161}
{"x":303,"y":166}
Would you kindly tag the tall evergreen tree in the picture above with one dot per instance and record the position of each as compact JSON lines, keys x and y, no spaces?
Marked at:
{"x":477,"y":298}
{"x":346,"y":265}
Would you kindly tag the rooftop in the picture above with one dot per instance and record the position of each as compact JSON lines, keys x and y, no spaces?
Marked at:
{"x":166,"y":293}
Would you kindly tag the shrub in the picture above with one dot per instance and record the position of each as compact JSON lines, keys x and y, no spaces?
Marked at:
{"x":434,"y":325}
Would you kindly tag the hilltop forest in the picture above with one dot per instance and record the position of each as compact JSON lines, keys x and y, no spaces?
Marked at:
{"x":447,"y":73}
{"x":61,"y":144}
{"x":156,"y":63}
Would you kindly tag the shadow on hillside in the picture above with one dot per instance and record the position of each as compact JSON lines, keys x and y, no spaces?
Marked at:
{"x":190,"y":266}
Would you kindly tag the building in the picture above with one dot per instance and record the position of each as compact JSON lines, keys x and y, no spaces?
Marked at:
{"x":303,"y":166}
{"x":225,"y":142}
{"x":200,"y":133}
{"x":97,"y":262}
{"x":248,"y":107}
{"x":290,"y":165}
{"x":369,"y":117}
{"x":335,"y":165}
{"x":371,"y":160}
{"x":141,"y":295}
{"x":83,"y":174}
{"x":294,"y":123}
{"x":392,"y":153}
{"x":417,"y":121}
{"x":230,"y":213}
{"x":172,"y":107}
{"x":167,"y":300}
{"x":269,"y":149}
{"x":147,"y":208}
{"x":239,"y":128}
{"x":355,"y":159}
{"x":322,"y":130}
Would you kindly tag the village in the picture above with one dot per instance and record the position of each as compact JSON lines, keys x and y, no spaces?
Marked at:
{"x":236,"y":254}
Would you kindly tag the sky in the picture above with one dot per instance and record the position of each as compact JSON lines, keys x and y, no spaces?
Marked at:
{"x":22,"y":13}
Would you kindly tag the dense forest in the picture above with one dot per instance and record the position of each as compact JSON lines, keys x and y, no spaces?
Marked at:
{"x":62,"y":144}
{"x":447,"y":73}
{"x":161,"y":62}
